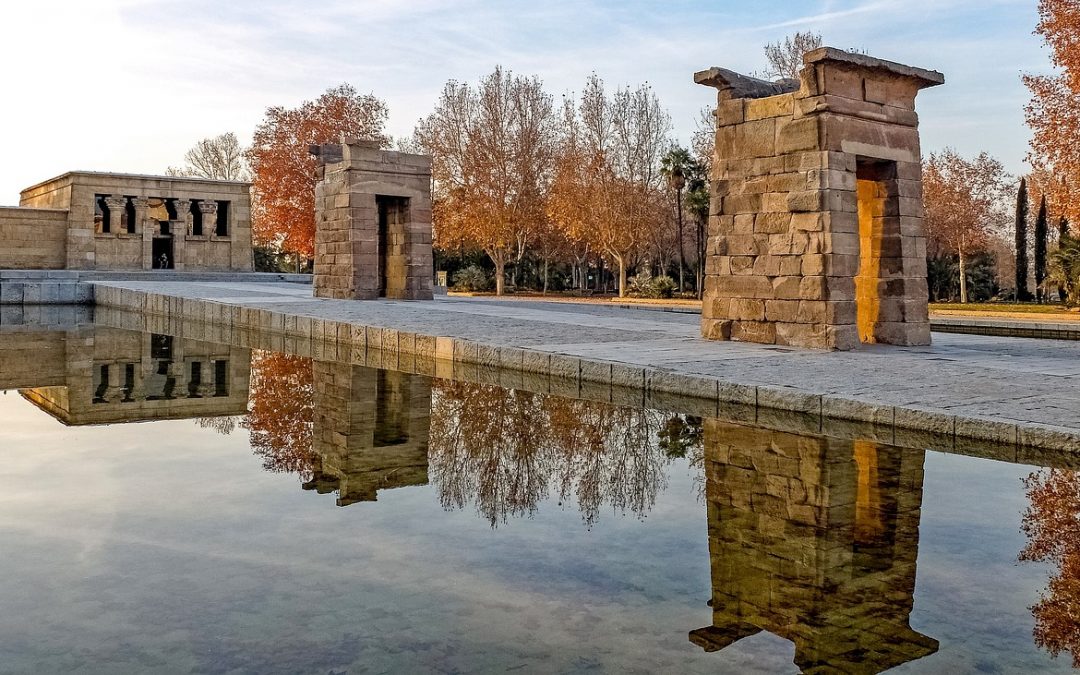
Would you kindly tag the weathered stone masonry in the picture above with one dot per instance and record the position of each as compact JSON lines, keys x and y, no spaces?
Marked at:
{"x":816,"y":236}
{"x":372,"y":223}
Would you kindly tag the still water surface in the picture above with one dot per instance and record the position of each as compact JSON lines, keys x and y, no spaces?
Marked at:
{"x":169,"y":505}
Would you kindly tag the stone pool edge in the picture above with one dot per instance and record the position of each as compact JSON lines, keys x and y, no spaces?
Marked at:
{"x":649,"y":380}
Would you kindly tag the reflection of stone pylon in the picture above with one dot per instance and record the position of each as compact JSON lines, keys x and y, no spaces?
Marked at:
{"x":814,"y":540}
{"x":370,"y":430}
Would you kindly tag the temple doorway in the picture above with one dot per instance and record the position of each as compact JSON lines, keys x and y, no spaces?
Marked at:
{"x":162,"y":253}
{"x":391,"y":271}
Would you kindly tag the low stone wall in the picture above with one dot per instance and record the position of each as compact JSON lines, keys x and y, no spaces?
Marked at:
{"x":40,"y":287}
{"x":33,"y":238}
{"x":594,"y":379}
{"x":71,"y":287}
{"x":1003,"y":327}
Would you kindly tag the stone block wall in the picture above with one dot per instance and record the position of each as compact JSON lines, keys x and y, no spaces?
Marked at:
{"x":788,"y":232}
{"x":33,"y":239}
{"x":32,"y":357}
{"x":372,"y":223}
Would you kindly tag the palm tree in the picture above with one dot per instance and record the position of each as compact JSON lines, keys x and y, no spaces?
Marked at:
{"x":675,"y":166}
{"x":1065,"y":267}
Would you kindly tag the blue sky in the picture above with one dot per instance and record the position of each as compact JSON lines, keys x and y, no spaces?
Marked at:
{"x":129,"y":85}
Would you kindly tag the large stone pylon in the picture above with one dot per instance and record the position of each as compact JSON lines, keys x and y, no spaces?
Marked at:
{"x":816,"y":236}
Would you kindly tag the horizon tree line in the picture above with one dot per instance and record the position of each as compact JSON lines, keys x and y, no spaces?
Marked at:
{"x":583,"y":191}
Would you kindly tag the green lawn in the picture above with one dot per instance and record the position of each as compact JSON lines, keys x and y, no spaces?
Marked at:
{"x":1003,"y":307}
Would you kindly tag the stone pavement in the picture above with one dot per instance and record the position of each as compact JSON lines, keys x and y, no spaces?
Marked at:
{"x":1022,"y":391}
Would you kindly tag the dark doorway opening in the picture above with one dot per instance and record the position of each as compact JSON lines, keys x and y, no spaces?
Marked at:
{"x":162,"y":253}
{"x":879,"y":284}
{"x":393,"y":214}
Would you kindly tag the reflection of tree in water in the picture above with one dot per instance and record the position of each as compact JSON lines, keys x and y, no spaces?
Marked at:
{"x":223,"y":425}
{"x":508,"y":450}
{"x":281,"y":411}
{"x":503,"y":450}
{"x":1052,"y":525}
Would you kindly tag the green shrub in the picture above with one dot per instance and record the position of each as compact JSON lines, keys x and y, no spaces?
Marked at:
{"x":645,"y":285}
{"x":663,"y":287}
{"x":471,"y":279}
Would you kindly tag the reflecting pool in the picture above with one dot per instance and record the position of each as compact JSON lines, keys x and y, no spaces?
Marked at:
{"x":170,"y":504}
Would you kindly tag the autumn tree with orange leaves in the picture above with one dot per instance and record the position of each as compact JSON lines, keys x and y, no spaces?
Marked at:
{"x":965,"y":203}
{"x":1052,"y":525}
{"x":608,"y":188}
{"x":491,"y":147}
{"x":283,"y":169}
{"x":1054,"y":111}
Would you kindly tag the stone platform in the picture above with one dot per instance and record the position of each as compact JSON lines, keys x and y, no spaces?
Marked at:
{"x":1021,"y":393}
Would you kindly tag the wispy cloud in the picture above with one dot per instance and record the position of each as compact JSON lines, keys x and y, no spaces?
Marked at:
{"x":130,"y":84}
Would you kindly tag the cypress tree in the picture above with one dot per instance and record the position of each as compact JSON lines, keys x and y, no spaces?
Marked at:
{"x":1042,"y":233}
{"x":1021,"y":242}
{"x":1063,"y":233}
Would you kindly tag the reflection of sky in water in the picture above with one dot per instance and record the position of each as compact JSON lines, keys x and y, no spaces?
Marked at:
{"x":164,"y":547}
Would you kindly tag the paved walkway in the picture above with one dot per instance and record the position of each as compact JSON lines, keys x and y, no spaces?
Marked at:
{"x":972,"y":377}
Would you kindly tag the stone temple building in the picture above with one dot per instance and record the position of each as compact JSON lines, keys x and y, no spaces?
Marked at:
{"x":86,"y":220}
{"x":816,"y":236}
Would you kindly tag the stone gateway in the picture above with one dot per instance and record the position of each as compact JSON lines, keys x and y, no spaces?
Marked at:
{"x":816,"y":236}
{"x":372,"y":223}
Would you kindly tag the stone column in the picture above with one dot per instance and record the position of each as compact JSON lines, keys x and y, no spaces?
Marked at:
{"x":116,"y":212}
{"x":208,"y":209}
{"x":142,"y":207}
{"x":115,"y":384}
{"x":181,"y":229}
{"x":183,"y":215}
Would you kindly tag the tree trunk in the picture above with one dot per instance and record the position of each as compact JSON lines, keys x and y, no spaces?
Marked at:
{"x":679,"y":220}
{"x":500,"y":275}
{"x":963,"y":279}
{"x":545,"y":276}
{"x":622,"y":277}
